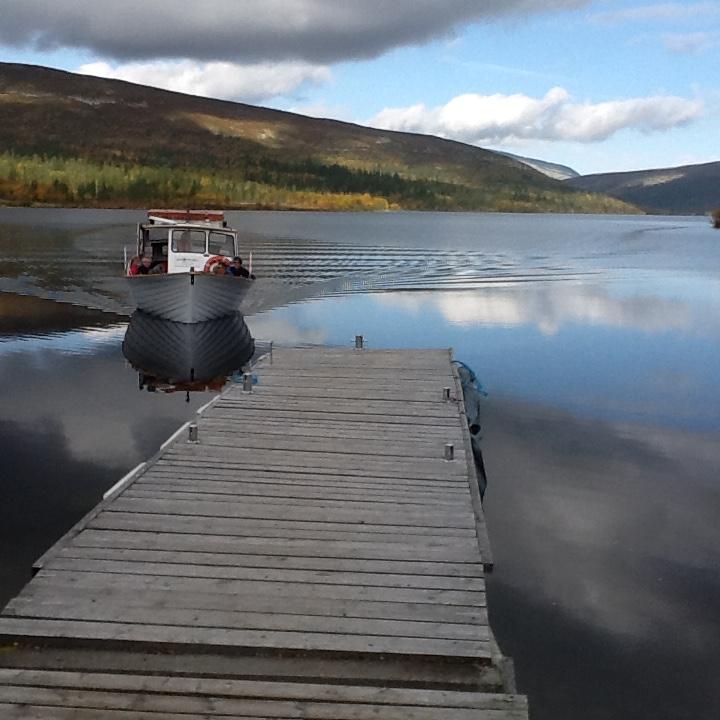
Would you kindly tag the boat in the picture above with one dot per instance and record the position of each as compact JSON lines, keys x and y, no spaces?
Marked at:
{"x":173,"y":356}
{"x":179,"y":270}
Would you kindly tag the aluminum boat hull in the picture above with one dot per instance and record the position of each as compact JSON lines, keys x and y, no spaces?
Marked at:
{"x":188,"y":297}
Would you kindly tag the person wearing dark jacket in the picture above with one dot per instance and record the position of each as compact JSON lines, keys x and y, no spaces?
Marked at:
{"x":236,"y":268}
{"x":146,"y":267}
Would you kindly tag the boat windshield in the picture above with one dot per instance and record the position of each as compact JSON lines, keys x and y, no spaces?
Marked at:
{"x":156,"y":233}
{"x":154,"y":243}
{"x":220,"y":243}
{"x":187,"y":240}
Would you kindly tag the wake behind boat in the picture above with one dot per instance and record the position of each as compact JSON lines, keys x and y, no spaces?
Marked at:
{"x":186,"y":267}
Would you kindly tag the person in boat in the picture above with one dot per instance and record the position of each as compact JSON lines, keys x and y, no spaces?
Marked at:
{"x":219,"y":269}
{"x":146,"y":267}
{"x":184,"y":243}
{"x":236,"y":268}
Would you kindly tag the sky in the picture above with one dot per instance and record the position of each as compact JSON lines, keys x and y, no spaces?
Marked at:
{"x":598,"y":85}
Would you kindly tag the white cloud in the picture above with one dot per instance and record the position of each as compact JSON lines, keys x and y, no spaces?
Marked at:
{"x":693,"y":17}
{"x":228,"y":81}
{"x":488,"y":119}
{"x":591,"y":123}
{"x":682,"y":43}
{"x":316,"y":31}
{"x":661,"y":12}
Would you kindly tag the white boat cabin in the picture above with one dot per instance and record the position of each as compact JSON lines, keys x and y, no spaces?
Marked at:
{"x":178,"y":241}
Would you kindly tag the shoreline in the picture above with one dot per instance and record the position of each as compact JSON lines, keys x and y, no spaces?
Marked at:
{"x":284,"y":208}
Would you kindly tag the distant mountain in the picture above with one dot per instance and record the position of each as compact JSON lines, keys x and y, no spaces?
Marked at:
{"x":553,"y":170}
{"x":68,"y":139}
{"x":689,"y":189}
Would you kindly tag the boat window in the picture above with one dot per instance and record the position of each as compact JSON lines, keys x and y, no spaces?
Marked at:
{"x":156,"y":233}
{"x":159,"y":250}
{"x":188,"y":241}
{"x":221,"y":244}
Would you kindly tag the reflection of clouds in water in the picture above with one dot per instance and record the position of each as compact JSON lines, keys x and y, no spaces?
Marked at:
{"x":77,"y":342}
{"x":691,"y":450}
{"x":101,"y":420}
{"x":610,"y":522}
{"x":268,"y":327}
{"x":548,"y":306}
{"x":412,"y":303}
{"x":106,"y":436}
{"x":551,"y":305}
{"x":484,"y":308}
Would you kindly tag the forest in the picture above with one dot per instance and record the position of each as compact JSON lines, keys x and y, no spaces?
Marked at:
{"x":48,"y":179}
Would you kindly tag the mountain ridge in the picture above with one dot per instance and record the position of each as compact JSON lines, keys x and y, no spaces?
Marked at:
{"x":685,"y":189}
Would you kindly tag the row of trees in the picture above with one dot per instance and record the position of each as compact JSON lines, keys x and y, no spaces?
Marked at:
{"x":306,"y":184}
{"x":75,"y":182}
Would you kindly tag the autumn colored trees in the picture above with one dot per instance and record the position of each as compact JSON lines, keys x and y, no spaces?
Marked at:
{"x":42,"y":179}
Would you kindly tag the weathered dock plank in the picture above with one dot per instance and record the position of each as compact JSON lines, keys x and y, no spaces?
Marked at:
{"x":316,"y":518}
{"x":277,"y":493}
{"x":255,"y":689}
{"x":437,"y":543}
{"x":165,"y":595}
{"x":26,"y":693}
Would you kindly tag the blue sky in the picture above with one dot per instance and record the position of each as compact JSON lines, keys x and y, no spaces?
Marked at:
{"x":600,"y":86}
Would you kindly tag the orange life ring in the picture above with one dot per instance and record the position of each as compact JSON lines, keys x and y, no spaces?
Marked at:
{"x":215,"y":260}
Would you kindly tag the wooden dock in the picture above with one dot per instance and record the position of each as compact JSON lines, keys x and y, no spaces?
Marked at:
{"x":312,"y":555}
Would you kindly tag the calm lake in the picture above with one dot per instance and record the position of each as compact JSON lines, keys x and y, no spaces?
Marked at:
{"x":596,"y":338}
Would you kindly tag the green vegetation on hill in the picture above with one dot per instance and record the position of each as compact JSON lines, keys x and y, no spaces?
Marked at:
{"x":31,"y":180}
{"x":73,"y":140}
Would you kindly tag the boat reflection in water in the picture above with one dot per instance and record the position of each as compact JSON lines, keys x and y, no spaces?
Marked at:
{"x":171,"y":356}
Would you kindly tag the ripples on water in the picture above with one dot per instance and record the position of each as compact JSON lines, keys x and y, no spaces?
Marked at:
{"x":83,"y":265}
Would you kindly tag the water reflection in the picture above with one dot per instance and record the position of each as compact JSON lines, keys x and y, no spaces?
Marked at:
{"x":607,"y":533}
{"x":548,"y":306}
{"x":171,"y":356}
{"x":78,"y":261}
{"x":32,"y":317}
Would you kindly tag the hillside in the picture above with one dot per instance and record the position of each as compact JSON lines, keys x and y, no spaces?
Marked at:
{"x":70,"y":139}
{"x":690,"y":189}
